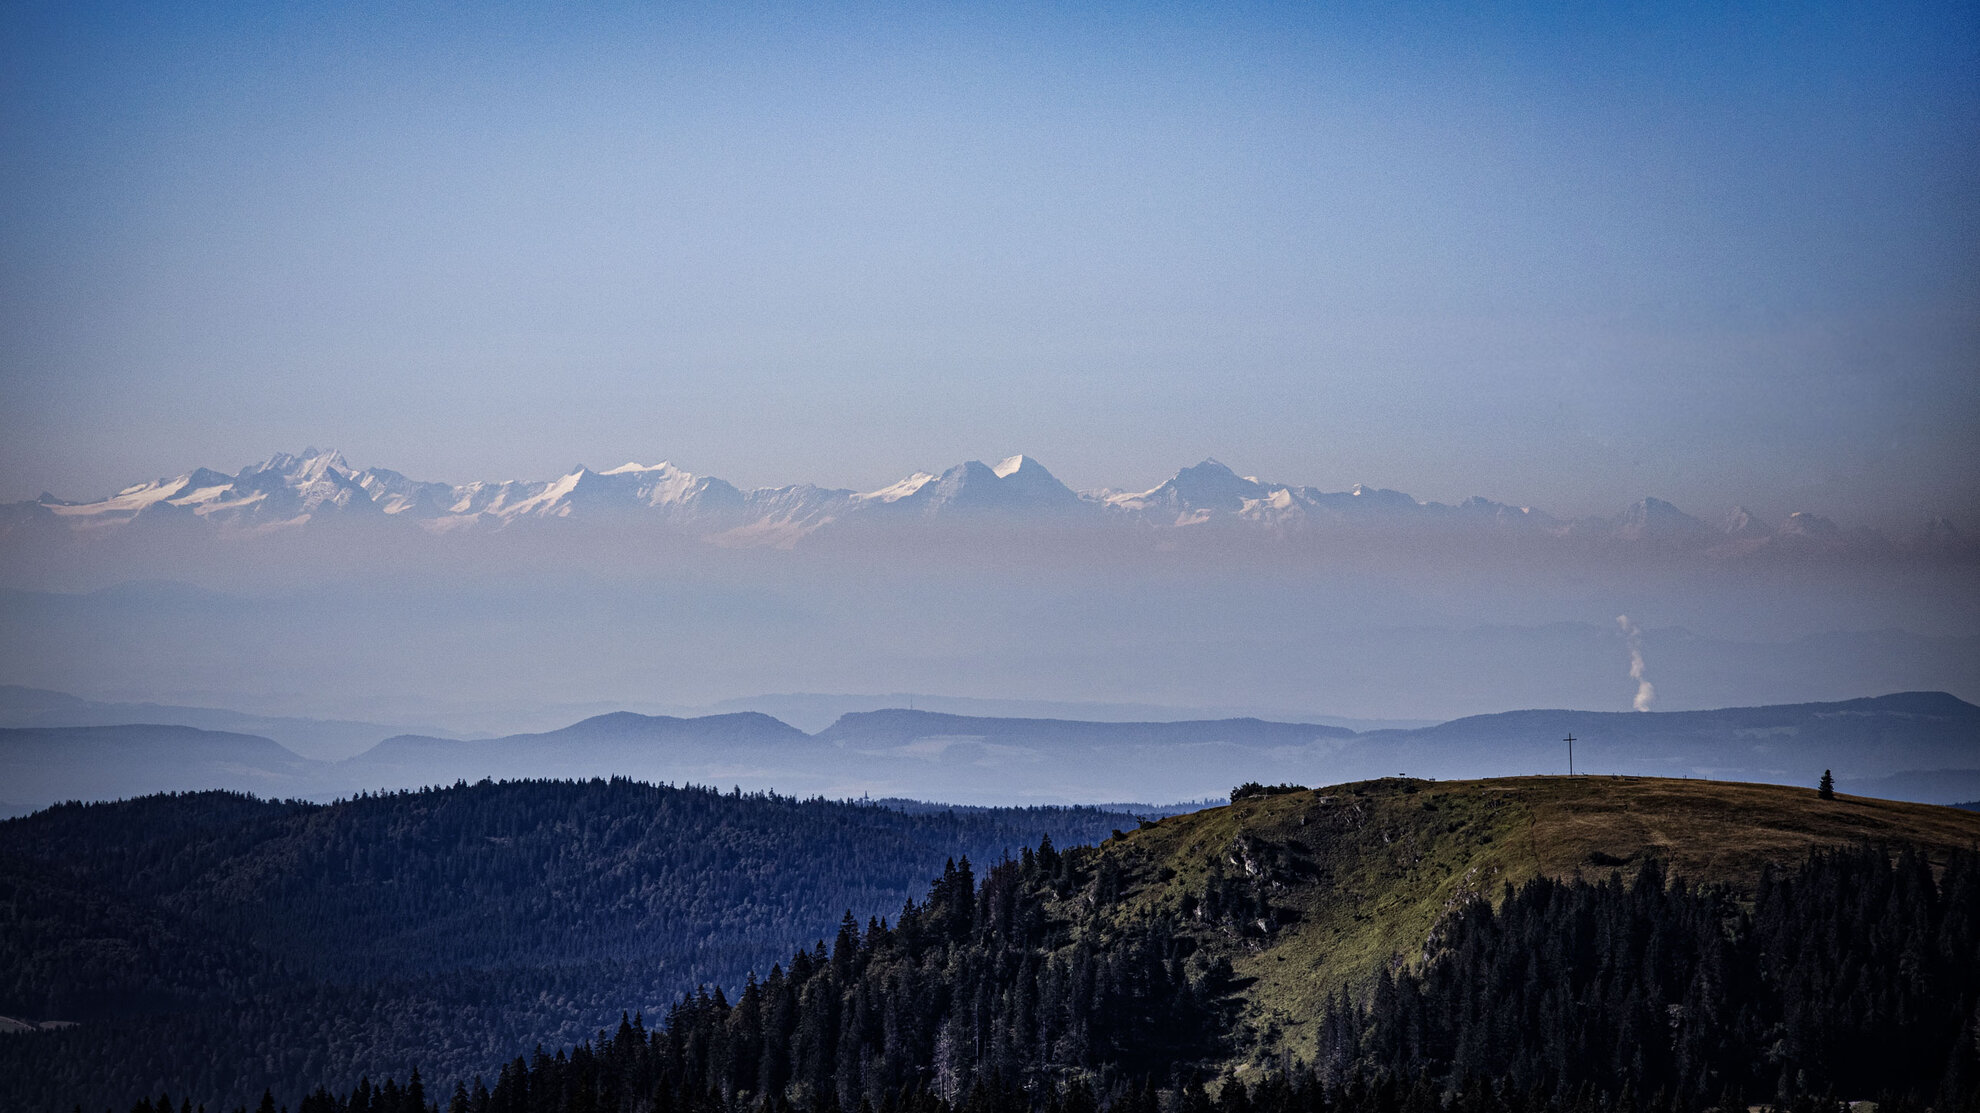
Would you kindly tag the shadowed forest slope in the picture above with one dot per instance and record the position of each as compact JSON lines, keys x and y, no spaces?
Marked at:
{"x":223,"y":944}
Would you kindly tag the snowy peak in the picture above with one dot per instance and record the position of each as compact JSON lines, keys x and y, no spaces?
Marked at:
{"x":552,"y":501}
{"x":318,"y":486}
{"x":1011,"y":465}
{"x":1803,"y":524}
{"x":1654,"y":520}
{"x":1017,"y":485}
{"x":1211,"y":485}
{"x":1480,"y":508}
{"x":1741,"y":525}
{"x":626,"y":489}
{"x":1196,"y":494}
{"x":1211,"y":492}
{"x":311,"y":464}
{"x":397,"y":494}
{"x":906,"y":488}
{"x":1383,"y":497}
{"x":282,"y":490}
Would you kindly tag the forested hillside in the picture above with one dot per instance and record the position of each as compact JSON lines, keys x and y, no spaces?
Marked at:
{"x":217,"y":944}
{"x":1851,"y":976}
{"x":1538,"y":944}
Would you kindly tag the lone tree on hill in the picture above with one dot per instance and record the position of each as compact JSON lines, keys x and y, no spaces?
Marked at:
{"x":1827,"y":789}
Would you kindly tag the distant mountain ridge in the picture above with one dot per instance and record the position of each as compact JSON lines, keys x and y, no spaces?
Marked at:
{"x":325,"y":739}
{"x":898,"y":726}
{"x":1868,"y":742}
{"x":44,"y":765}
{"x":290,"y":491}
{"x":1922,"y":746}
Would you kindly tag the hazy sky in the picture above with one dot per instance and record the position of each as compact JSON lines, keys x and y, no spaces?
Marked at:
{"x":1568,"y":257}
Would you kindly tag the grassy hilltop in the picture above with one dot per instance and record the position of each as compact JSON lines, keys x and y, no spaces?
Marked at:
{"x":1306,"y":891}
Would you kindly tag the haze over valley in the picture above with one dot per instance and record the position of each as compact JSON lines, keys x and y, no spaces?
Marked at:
{"x":306,"y":587}
{"x":1912,"y":746}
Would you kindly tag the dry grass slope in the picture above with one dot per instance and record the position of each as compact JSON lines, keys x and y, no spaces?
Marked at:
{"x":1362,"y":874}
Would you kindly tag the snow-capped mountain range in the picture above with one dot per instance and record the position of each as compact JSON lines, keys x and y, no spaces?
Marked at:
{"x":291,"y":491}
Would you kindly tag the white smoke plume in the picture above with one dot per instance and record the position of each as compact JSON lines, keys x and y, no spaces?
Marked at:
{"x":1645,"y":691}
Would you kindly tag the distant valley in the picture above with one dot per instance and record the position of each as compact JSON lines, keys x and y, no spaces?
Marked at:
{"x":307,"y":586}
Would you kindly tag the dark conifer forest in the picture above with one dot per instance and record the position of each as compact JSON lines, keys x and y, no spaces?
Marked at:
{"x":1854,"y":976}
{"x":223,"y":945}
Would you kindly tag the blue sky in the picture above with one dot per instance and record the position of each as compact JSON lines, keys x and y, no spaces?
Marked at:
{"x":1548,"y":254}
